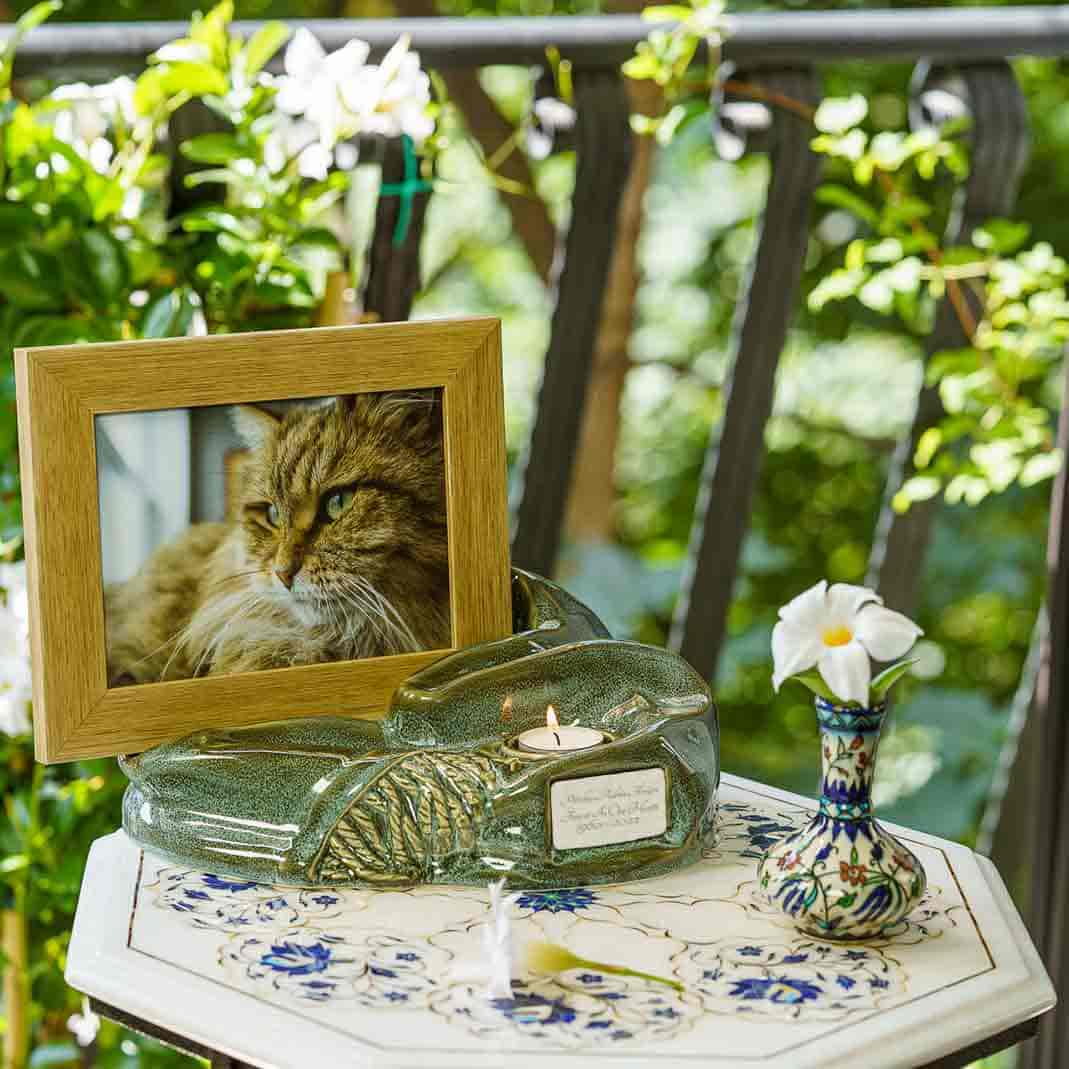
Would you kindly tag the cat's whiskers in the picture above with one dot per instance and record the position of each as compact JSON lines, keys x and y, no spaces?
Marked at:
{"x":366,"y":613}
{"x":234,"y":578}
{"x":370,"y":613}
{"x":215,"y":644}
{"x":203,"y":637}
{"x":382,"y":614}
{"x":399,"y":622}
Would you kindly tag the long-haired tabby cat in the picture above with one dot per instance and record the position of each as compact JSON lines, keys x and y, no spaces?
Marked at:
{"x":339,"y":551}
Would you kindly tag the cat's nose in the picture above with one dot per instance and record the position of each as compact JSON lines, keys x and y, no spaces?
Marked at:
{"x":286,"y":575}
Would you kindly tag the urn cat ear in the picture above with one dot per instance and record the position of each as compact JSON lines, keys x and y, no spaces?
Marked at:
{"x":255,"y":425}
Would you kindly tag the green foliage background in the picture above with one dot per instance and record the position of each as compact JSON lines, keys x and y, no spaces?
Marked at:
{"x":844,"y":394}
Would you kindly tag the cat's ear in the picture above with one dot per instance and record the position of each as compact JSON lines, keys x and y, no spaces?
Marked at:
{"x":255,"y":425}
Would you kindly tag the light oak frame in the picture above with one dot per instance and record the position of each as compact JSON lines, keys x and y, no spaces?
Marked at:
{"x":61,"y":390}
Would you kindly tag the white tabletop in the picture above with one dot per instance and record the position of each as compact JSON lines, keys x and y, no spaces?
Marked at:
{"x":286,"y":978}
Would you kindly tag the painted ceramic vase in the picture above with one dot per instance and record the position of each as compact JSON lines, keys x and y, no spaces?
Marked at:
{"x":844,"y":876}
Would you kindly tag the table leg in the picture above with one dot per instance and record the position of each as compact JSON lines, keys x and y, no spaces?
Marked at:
{"x":177,"y":1042}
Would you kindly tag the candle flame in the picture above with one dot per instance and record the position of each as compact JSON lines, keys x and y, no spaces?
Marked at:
{"x":551,"y":717}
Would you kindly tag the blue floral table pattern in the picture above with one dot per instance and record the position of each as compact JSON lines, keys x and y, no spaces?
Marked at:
{"x":367,"y":960}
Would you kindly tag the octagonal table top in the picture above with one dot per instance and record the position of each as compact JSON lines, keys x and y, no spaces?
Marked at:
{"x":286,"y":978}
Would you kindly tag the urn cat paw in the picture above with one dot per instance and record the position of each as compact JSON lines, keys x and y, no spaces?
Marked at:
{"x":463,"y":782}
{"x":844,"y":876}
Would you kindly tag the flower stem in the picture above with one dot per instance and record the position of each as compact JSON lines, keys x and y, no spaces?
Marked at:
{"x":620,"y":970}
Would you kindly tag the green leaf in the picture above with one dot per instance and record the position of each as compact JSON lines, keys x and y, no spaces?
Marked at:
{"x":318,"y":236}
{"x":36,"y":15}
{"x":906,"y":209}
{"x":148,"y":91}
{"x":211,"y":218}
{"x":841,"y":197}
{"x":815,"y":682}
{"x":667,"y":13}
{"x":1001,"y":235}
{"x":211,"y":30}
{"x":197,"y":79}
{"x":167,"y":315}
{"x":160,"y":315}
{"x":17,"y":218}
{"x":52,"y":330}
{"x":160,"y":84}
{"x":263,"y":44}
{"x":927,"y":446}
{"x":106,"y":263}
{"x":212,"y":148}
{"x":31,"y":279}
{"x":28,"y":21}
{"x":13,"y":863}
{"x":888,"y":678}
{"x":641,"y":66}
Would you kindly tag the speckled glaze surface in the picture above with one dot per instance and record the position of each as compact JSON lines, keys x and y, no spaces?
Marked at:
{"x":439,"y":792}
{"x":844,"y":876}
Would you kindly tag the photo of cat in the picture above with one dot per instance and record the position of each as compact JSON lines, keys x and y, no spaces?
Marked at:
{"x":334,"y":549}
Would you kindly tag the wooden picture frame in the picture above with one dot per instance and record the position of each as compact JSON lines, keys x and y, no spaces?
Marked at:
{"x":62,"y":389}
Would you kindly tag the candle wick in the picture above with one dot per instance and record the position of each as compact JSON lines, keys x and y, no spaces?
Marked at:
{"x":557,"y":737}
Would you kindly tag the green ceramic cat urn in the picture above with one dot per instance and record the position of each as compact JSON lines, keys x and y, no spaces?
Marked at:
{"x":468,"y":778}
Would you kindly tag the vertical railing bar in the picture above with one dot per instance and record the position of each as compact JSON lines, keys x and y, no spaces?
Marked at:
{"x":733,"y":459}
{"x":1049,"y":870}
{"x":393,"y":271}
{"x":999,"y":152}
{"x":603,"y":155}
{"x":1020,"y":707}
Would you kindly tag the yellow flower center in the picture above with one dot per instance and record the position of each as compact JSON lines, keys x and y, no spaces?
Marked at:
{"x":837,"y":636}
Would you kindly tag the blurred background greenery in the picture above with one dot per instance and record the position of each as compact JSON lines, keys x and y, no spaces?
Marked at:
{"x":845,"y":393}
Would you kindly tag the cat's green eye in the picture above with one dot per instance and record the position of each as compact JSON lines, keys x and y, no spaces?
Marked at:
{"x":273,"y":515}
{"x":337,"y":503}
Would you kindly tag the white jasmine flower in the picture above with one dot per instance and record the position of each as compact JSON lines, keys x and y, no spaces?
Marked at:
{"x":554,"y":113}
{"x":15,"y":679}
{"x":391,"y":99}
{"x":837,"y":629}
{"x":297,"y":138}
{"x":708,"y":20}
{"x":313,"y":82}
{"x":550,"y":115}
{"x":84,"y":1026}
{"x":89,"y":112}
{"x":496,"y":967}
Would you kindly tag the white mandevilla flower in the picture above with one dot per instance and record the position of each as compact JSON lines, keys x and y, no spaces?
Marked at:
{"x":314,"y":82}
{"x":837,"y":629}
{"x":499,"y":954}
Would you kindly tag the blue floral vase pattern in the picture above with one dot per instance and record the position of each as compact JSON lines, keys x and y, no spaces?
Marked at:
{"x":843,"y":875}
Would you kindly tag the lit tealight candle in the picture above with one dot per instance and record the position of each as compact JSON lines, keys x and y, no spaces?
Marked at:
{"x":558,"y":738}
